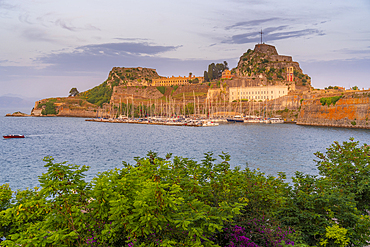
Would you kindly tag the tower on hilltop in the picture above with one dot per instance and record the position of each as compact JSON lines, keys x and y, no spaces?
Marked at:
{"x":261,"y":36}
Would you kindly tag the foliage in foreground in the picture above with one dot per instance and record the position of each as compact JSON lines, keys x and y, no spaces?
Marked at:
{"x":180,"y":202}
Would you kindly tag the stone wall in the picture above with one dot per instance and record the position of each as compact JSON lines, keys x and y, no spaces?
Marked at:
{"x":351,"y":111}
{"x":67,"y":112}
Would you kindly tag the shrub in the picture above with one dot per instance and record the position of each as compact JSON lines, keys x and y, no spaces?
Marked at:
{"x":162,"y":89}
{"x":49,"y":109}
{"x":180,"y":202}
{"x":330,"y":100}
{"x":98,"y":95}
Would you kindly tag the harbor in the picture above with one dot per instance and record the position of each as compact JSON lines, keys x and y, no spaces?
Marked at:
{"x":192,"y":122}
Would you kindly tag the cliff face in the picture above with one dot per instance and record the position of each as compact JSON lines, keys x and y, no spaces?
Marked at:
{"x":350,"y":111}
{"x":64,"y":107}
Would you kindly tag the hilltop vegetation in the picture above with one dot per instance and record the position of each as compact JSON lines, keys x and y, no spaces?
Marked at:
{"x":98,"y":95}
{"x":256,"y":62}
{"x":122,"y":76}
{"x":117,"y":76}
{"x":180,"y":202}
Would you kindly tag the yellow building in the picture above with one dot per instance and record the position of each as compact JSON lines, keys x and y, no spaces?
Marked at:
{"x":226,"y":74}
{"x":257,"y":93}
{"x":170,"y":81}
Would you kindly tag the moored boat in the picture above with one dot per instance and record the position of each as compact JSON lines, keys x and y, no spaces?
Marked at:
{"x":209,"y":123}
{"x":236,"y":119}
{"x":13,"y":136}
{"x":276,"y":120}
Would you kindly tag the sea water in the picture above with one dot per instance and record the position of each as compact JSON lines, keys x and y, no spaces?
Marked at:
{"x":272,"y":148}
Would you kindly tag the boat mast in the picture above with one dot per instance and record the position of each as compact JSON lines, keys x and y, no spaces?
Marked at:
{"x":183,"y":99}
{"x":132,"y":108}
{"x":194,"y":104}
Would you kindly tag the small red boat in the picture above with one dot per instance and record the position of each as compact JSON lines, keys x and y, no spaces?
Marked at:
{"x":13,"y":136}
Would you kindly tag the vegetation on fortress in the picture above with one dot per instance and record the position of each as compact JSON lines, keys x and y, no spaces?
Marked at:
{"x":253,"y":63}
{"x":175,"y":201}
{"x":48,"y":107}
{"x":121,"y":76}
{"x":118,"y":76}
{"x":98,"y":95}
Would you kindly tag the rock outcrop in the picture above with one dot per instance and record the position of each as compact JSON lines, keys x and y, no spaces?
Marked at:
{"x":131,"y":76}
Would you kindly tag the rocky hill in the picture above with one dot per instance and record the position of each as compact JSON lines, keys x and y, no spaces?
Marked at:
{"x":131,"y":76}
{"x":264,"y":65}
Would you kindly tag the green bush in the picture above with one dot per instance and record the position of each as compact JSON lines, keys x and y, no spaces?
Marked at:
{"x":162,"y":89}
{"x":175,"y":201}
{"x":330,"y":100}
{"x":49,"y":109}
{"x":98,"y":95}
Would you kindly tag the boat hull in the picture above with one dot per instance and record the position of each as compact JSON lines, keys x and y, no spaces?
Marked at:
{"x":13,"y":136}
{"x":231,"y":120}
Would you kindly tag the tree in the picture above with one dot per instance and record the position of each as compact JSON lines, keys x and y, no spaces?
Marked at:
{"x":347,"y":166}
{"x":212,"y":72}
{"x":206,"y":79}
{"x":215,"y":70}
{"x":226,"y":66}
{"x":73,"y":92}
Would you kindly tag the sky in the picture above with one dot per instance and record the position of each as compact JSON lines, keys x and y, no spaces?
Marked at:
{"x":49,"y":46}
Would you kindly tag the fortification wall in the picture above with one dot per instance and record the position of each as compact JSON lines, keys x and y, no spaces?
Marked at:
{"x":67,"y":112}
{"x":351,"y":111}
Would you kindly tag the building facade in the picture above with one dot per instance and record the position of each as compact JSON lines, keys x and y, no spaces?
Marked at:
{"x":226,"y":74}
{"x":258,"y":93}
{"x":171,"y":81}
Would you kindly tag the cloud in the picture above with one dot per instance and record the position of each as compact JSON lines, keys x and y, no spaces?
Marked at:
{"x":70,"y":27}
{"x":102,"y":57}
{"x":37,"y":35}
{"x":48,"y":19}
{"x":271,"y":34}
{"x":354,"y":52}
{"x":125,"y":48}
{"x":25,"y":17}
{"x":5,"y":5}
{"x":251,"y":24}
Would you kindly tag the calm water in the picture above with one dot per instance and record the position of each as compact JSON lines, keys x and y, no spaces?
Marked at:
{"x":103,"y":146}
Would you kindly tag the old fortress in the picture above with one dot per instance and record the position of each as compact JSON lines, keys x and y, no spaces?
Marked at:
{"x":261,"y":74}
